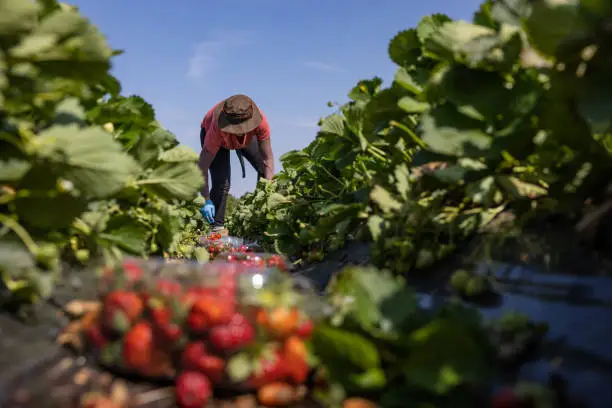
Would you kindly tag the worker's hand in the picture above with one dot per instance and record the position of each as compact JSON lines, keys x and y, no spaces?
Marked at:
{"x":208,"y":211}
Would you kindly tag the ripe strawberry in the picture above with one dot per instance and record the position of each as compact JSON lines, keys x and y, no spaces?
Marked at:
{"x":276,"y":261}
{"x":281,"y":322}
{"x":295,"y":355}
{"x":120,"y":309}
{"x":195,"y":358}
{"x":277,"y":394}
{"x":193,"y":390}
{"x":138,"y":346}
{"x":133,"y":271}
{"x":506,"y":398}
{"x":216,"y":309}
{"x":213,"y":367}
{"x":237,"y":333}
{"x":305,"y":329}
{"x":268,"y":371}
{"x":192,"y":354}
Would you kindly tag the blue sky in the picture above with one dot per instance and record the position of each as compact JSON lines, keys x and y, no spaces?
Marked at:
{"x":290,"y":56}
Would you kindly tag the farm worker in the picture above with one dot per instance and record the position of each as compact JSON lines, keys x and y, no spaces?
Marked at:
{"x":238,"y":124}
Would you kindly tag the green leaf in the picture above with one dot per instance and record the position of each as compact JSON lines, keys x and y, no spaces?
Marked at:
{"x":405,"y":48}
{"x":51,"y":211}
{"x":439,"y":365}
{"x":333,"y":124}
{"x":482,"y":191}
{"x":476,"y":46}
{"x":33,"y":45}
{"x":411,"y":105}
{"x":382,"y":304}
{"x":333,"y":344}
{"x":126,"y":234}
{"x":13,"y":169}
{"x":405,"y":79}
{"x":179,"y":154}
{"x":170,"y":181}
{"x":88,"y":157}
{"x":551,"y":22}
{"x":429,"y":25}
{"x":520,"y":189}
{"x":17,"y":16}
{"x":447,"y":131}
{"x":402,"y":180}
{"x":14,"y":256}
{"x":373,"y":378}
{"x":384,"y":199}
{"x":375,"y":226}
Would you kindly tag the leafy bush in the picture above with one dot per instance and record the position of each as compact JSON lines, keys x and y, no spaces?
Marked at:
{"x":507,"y":112}
{"x":85,"y":173}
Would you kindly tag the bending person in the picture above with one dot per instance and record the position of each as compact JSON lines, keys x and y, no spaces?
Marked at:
{"x":233,"y":124}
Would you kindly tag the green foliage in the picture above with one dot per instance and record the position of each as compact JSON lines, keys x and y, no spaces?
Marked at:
{"x":380,"y":340}
{"x":85,"y":174}
{"x":508,"y":112}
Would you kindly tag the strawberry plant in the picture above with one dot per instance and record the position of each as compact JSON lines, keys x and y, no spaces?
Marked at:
{"x":85,"y":173}
{"x":498,"y":114}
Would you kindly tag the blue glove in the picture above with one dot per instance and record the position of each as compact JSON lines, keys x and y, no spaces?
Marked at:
{"x":208,"y":211}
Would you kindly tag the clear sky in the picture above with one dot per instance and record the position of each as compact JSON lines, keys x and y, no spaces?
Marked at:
{"x":290,"y":56}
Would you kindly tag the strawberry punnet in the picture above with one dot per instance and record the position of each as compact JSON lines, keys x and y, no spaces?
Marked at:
{"x":193,"y":390}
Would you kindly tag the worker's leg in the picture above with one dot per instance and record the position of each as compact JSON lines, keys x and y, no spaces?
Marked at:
{"x":220,"y":178}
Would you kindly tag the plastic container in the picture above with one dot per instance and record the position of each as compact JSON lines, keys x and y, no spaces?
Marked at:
{"x":158,"y":319}
{"x":216,"y":245}
{"x":255,"y":260}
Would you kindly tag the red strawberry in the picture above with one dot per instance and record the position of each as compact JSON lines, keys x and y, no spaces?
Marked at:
{"x":268,"y":371}
{"x":280,"y":322}
{"x":120,"y":309}
{"x":192,"y":354}
{"x":196,"y":358}
{"x":216,"y":309}
{"x":276,"y":261}
{"x":506,"y":398}
{"x":237,"y":333}
{"x":213,"y":367}
{"x":193,"y":390}
{"x":295,"y":355}
{"x":138,"y":347}
{"x":305,"y":329}
{"x":132,"y":270}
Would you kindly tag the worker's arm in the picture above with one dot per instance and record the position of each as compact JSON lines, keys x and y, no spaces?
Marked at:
{"x":204,"y":162}
{"x":265,"y":147}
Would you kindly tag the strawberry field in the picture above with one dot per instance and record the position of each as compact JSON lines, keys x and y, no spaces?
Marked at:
{"x":377,"y":269}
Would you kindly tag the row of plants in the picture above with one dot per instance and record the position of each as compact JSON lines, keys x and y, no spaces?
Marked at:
{"x":86,"y":174}
{"x":508,"y":112}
